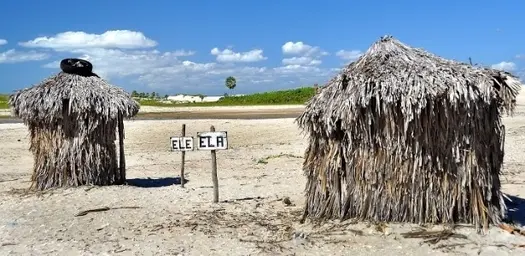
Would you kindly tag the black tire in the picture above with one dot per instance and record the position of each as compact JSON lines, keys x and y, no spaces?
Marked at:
{"x":77,"y":67}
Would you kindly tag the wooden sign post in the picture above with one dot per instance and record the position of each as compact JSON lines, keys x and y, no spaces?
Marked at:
{"x":213,"y":141}
{"x":182,"y":144}
{"x":183,"y":156}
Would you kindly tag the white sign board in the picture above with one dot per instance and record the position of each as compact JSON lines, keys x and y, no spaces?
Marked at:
{"x":181,"y":143}
{"x":212,"y":140}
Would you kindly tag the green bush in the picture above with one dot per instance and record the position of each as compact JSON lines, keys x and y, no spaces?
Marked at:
{"x":292,"y":97}
{"x":3,"y":101}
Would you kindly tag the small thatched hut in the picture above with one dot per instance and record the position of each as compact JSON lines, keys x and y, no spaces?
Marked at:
{"x":73,"y":118}
{"x":402,"y":135}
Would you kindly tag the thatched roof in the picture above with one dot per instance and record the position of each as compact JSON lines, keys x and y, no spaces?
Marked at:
{"x":395,"y":72}
{"x":406,"y":136}
{"x":85,"y":96}
{"x":73,"y":118}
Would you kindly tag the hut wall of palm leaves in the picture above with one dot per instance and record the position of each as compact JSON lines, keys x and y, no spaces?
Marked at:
{"x":72,"y":119}
{"x":402,"y":135}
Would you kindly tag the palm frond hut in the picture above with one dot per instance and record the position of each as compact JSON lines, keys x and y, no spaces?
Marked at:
{"x":73,"y":118}
{"x":402,"y":135}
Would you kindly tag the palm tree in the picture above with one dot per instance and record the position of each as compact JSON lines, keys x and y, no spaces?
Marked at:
{"x":230,"y":82}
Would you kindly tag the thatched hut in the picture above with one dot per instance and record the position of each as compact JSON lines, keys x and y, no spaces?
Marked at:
{"x":402,"y":135}
{"x":73,"y":118}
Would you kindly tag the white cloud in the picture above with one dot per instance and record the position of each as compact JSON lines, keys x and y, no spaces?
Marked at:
{"x":300,"y":48}
{"x":296,"y":68}
{"x":504,"y":65}
{"x":181,"y":53}
{"x":119,"y":63}
{"x":295,"y":48}
{"x":124,"y":39}
{"x":521,"y":75}
{"x":3,"y":41}
{"x":301,"y":61}
{"x":228,"y":55}
{"x":349,"y":55}
{"x":14,"y":56}
{"x":164,"y":70}
{"x":175,"y":71}
{"x":520,"y":56}
{"x":305,"y":56}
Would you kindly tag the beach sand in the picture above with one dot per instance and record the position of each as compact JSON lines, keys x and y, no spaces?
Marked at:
{"x":262,"y":167}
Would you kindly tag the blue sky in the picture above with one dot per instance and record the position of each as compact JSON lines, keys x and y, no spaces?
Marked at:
{"x":191,"y":46}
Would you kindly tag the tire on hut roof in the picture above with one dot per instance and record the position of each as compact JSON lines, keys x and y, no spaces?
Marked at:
{"x":402,"y":135}
{"x":77,"y":67}
{"x":73,"y":117}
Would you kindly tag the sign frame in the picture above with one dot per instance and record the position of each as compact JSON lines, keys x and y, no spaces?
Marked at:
{"x":181,"y":139}
{"x":223,"y":134}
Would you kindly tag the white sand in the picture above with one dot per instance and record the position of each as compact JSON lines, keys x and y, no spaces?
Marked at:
{"x":174,"y":220}
{"x":5,"y":112}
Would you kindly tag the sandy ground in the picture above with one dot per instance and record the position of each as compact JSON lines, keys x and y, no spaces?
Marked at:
{"x":155,"y":216}
{"x":179,"y":113}
{"x":223,"y":110}
{"x":5,"y":112}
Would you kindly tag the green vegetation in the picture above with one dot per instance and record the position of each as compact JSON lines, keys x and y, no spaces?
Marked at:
{"x":292,"y":97}
{"x":3,"y":101}
{"x":147,"y":95}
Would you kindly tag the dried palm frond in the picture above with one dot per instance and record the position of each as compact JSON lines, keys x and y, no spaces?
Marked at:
{"x":403,"y":135}
{"x":72,"y":121}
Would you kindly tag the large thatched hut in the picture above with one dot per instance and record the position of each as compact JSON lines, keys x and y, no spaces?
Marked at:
{"x":73,"y":118}
{"x":402,"y":135}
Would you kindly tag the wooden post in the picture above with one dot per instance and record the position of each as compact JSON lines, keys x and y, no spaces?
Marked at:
{"x":214,"y":177}
{"x":183,"y":156}
{"x":121,"y":136}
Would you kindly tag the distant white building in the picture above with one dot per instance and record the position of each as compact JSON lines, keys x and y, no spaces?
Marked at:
{"x":190,"y":98}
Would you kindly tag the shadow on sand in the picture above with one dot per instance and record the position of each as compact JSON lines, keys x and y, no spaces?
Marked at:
{"x":515,"y":210}
{"x":155,"y":183}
